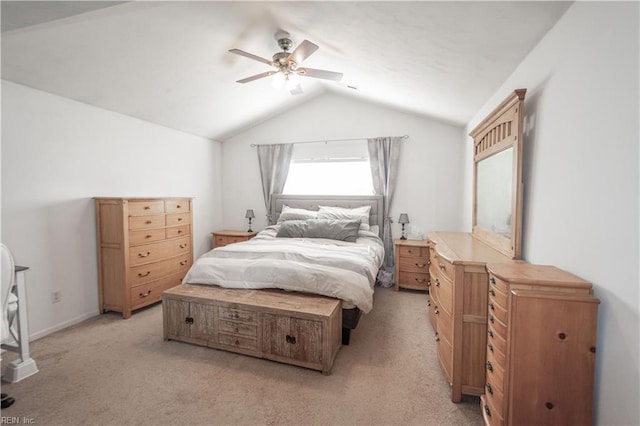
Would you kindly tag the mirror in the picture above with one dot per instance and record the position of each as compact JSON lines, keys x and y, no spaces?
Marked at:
{"x":497,"y":207}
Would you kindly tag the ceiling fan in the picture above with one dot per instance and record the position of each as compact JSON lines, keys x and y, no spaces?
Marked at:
{"x":288,"y":64}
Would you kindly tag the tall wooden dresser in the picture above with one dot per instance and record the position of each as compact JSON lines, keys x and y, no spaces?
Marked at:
{"x":458,"y":307}
{"x":145,"y":246}
{"x":541,"y":347}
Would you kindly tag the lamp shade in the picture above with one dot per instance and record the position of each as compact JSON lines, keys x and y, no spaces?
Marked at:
{"x":404,"y":218}
{"x":249,"y":214}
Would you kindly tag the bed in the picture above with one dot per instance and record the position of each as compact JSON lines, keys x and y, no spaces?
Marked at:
{"x":282,"y":256}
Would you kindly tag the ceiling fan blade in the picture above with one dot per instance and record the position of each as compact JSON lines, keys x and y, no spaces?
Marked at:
{"x":326,"y":75}
{"x":303,"y":51}
{"x":251,"y":56}
{"x":256,"y":77}
{"x":296,"y":90}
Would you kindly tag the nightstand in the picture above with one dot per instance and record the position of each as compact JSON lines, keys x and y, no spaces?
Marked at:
{"x":412,"y":264}
{"x":222,"y":238}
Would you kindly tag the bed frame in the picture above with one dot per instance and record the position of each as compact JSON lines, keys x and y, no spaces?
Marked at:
{"x":350,"y":317}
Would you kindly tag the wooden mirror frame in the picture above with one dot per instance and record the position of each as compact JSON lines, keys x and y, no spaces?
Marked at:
{"x":501,"y":130}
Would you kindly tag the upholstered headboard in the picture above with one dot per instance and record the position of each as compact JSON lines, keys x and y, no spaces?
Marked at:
{"x":311,"y":202}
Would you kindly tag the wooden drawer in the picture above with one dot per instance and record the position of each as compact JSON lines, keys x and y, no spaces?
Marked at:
{"x":445,"y":356}
{"x":238,"y":341}
{"x":497,"y":283}
{"x":498,"y":297}
{"x":414,"y":251}
{"x":445,"y":325}
{"x":177,"y":206}
{"x":237,"y":314}
{"x":151,"y":292}
{"x":178,"y":231}
{"x":498,"y":311}
{"x":414,"y":264}
{"x":413,"y":280}
{"x":223,"y":240}
{"x":445,"y":293}
{"x":238,"y":328}
{"x":447,"y":268}
{"x":492,"y":415}
{"x":432,"y":311}
{"x":153,"y":271}
{"x":496,"y":340}
{"x":495,"y":397}
{"x":154,"y":252}
{"x":146,"y":222}
{"x":178,"y":219}
{"x":495,"y":372}
{"x":146,"y":208}
{"x":499,"y":329}
{"x":146,"y":236}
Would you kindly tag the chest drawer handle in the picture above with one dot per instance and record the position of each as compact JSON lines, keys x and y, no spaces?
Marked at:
{"x":428,"y":262}
{"x":489,"y":388}
{"x":441,"y":266}
{"x":184,"y":262}
{"x":489,"y":366}
{"x":492,"y":280}
{"x":290,"y":339}
{"x":179,"y":231}
{"x":490,"y":346}
{"x":487,"y":410}
{"x":178,"y":206}
{"x":437,"y":312}
{"x":148,"y":236}
{"x":140,"y":274}
{"x":145,"y":294}
{"x":144,"y":254}
{"x":420,"y":280}
{"x":183,"y":245}
{"x":491,"y":319}
{"x":492,"y":292}
{"x":179,"y":219}
{"x":493,"y":308}
{"x":188,"y":320}
{"x":437,"y":339}
{"x":490,"y":333}
{"x":437,"y":282}
{"x":420,"y":265}
{"x":149,"y":222}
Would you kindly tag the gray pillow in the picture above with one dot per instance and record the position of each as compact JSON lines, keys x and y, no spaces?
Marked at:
{"x":341,"y":230}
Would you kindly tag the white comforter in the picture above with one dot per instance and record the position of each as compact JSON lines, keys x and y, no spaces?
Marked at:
{"x":331,"y":268}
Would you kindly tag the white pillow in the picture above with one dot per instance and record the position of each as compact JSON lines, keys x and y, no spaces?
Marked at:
{"x":341,"y":213}
{"x":290,"y":213}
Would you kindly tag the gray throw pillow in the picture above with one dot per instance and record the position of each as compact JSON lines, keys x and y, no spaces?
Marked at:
{"x":341,"y":230}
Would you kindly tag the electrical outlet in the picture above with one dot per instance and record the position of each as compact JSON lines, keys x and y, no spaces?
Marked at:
{"x":56,"y":295}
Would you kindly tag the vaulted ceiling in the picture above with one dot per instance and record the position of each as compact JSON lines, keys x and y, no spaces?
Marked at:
{"x":168,"y":62}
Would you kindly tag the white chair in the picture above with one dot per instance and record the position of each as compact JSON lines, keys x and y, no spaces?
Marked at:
{"x":14,"y":331}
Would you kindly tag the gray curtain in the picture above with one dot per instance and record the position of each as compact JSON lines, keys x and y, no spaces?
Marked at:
{"x":384,"y":154}
{"x":274,"y":167}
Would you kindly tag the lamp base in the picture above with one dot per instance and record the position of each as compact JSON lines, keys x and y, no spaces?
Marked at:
{"x":403,"y":238}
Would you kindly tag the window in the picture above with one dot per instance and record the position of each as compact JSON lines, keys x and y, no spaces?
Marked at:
{"x":330,"y":169}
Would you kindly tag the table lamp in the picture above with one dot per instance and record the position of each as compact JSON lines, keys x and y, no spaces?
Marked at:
{"x":404,"y":218}
{"x":249,"y":215}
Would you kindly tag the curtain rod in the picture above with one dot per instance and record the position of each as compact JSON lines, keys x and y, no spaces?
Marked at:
{"x":253,"y":145}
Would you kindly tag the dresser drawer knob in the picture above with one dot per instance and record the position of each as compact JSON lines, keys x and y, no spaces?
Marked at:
{"x":147,"y":208}
{"x":492,"y":292}
{"x":188,"y":320}
{"x":437,"y":339}
{"x":178,"y":206}
{"x":420,"y":280}
{"x":489,"y":388}
{"x":179,"y":231}
{"x":562,"y":336}
{"x":148,"y":236}
{"x":437,"y":282}
{"x":493,"y":308}
{"x":487,"y":410}
{"x":490,"y":346}
{"x":179,"y":219}
{"x":428,"y":262}
{"x":489,"y":366}
{"x":290,"y":339}
{"x":184,"y":262}
{"x":420,"y":265}
{"x":144,"y":254}
{"x":491,"y":319}
{"x":492,"y":280}
{"x":437,"y":312}
{"x":441,"y":266}
{"x":140,"y":274}
{"x":183,"y":246}
{"x":149,"y":222}
{"x":145,"y":294}
{"x":549,"y":405}
{"x":490,"y":333}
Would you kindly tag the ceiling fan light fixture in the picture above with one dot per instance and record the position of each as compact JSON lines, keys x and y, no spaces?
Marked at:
{"x":278,"y":80}
{"x":292,"y":81}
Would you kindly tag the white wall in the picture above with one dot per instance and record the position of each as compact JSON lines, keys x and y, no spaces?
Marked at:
{"x":429,"y":179}
{"x":581,"y":178}
{"x":56,"y":155}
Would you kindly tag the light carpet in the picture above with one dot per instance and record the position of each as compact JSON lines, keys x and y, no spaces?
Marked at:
{"x":110,"y":371}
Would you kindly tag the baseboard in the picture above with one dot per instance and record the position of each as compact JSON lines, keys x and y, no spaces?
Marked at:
{"x":58,"y":327}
